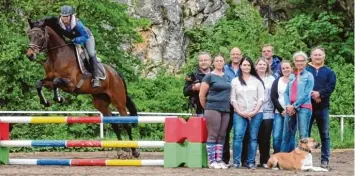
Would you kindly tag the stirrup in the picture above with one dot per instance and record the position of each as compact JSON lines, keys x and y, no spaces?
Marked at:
{"x":96,"y":83}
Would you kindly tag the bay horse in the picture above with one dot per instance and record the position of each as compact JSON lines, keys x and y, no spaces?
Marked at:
{"x":63,"y":72}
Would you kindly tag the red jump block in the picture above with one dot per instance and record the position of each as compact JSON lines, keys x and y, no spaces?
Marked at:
{"x":178,"y":130}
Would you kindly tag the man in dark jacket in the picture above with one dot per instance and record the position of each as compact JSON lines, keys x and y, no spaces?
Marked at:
{"x":274,"y":61}
{"x":324,"y":85}
{"x":193,"y":82}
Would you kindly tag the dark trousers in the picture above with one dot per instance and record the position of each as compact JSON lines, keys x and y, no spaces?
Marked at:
{"x":226,"y":147}
{"x":322,"y":118}
{"x":264,"y":137}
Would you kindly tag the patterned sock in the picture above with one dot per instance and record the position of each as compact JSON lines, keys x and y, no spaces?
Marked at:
{"x":219,"y":152}
{"x":211,"y":152}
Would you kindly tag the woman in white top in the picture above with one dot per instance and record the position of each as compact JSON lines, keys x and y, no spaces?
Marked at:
{"x":278,"y":99}
{"x":247,"y":97}
{"x":264,"y":136}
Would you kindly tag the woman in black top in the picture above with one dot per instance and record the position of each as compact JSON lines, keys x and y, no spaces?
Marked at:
{"x":277,"y":97}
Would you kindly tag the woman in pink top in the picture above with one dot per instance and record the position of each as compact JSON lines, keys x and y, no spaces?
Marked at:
{"x":298,"y":103}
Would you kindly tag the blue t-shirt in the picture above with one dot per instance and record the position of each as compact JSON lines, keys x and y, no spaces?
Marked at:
{"x":218,"y":97}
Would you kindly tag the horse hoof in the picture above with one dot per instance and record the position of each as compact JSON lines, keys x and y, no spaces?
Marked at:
{"x":121,"y":154}
{"x":59,"y":99}
{"x":46,"y":103}
{"x":136,"y":154}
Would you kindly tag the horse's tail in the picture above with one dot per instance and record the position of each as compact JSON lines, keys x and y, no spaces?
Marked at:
{"x":129,"y":102}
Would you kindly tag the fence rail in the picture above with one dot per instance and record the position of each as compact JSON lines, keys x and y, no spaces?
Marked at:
{"x":150,"y":113}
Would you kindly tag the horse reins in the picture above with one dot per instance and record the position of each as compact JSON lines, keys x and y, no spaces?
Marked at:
{"x":45,"y":43}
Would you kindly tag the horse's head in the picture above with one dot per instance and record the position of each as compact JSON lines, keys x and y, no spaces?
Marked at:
{"x":38,"y":37}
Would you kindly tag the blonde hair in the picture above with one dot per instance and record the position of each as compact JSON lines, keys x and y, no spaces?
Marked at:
{"x":268,"y":71}
{"x":286,"y":62}
{"x":269,"y":45}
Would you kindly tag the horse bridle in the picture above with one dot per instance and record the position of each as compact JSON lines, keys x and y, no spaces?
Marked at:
{"x":44,"y":43}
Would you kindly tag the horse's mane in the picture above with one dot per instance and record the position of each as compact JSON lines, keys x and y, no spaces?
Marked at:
{"x":51,"y":22}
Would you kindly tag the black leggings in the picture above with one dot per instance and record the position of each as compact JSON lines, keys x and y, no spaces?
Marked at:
{"x":264,"y":140}
{"x":217,"y":123}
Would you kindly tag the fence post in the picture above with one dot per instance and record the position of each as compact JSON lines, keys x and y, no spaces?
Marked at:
{"x":341,"y":128}
{"x":101,"y":127}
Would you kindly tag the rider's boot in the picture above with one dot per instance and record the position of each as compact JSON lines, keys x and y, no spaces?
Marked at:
{"x":95,"y":71}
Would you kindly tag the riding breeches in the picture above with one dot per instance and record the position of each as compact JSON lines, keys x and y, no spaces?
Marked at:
{"x":90,"y":46}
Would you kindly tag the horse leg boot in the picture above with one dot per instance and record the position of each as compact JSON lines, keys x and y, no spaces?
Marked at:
{"x":42,"y":99}
{"x":57,"y":96}
{"x":56,"y":92}
{"x":95,"y":71}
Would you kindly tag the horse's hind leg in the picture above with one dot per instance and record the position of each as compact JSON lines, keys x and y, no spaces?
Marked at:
{"x":102,"y":103}
{"x":121,"y":108}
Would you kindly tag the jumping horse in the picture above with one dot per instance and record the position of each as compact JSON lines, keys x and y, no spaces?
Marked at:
{"x":63,"y":72}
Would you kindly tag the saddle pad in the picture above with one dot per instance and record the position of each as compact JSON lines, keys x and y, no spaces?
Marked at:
{"x":80,"y":56}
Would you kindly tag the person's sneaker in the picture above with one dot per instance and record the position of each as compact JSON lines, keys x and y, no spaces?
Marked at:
{"x":237,"y":166}
{"x":215,"y":165}
{"x":251,"y":166}
{"x":223,"y":165}
{"x":324,"y":165}
{"x":262,"y":165}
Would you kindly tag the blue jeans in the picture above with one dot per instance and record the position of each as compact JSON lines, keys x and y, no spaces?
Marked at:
{"x":322,"y":118}
{"x":301,"y":119}
{"x":240,"y":126}
{"x":277,"y":131}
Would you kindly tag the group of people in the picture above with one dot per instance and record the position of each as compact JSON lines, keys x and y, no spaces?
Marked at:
{"x":271,"y":97}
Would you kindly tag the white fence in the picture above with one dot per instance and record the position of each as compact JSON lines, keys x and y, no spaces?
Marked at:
{"x":150,"y":114}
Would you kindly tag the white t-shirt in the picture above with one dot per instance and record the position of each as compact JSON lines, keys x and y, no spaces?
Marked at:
{"x":281,"y":88}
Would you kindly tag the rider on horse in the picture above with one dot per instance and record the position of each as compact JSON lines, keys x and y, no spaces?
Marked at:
{"x":74,"y":29}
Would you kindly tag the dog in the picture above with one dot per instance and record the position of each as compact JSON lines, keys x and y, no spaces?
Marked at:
{"x":298,"y":159}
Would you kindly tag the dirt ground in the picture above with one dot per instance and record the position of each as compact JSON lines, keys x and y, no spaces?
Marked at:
{"x":342,"y":163}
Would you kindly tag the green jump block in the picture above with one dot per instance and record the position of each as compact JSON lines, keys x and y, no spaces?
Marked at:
{"x":193,"y":155}
{"x":4,"y":155}
{"x":4,"y":135}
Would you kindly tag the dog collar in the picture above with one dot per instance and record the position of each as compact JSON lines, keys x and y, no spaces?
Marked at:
{"x":303,"y":149}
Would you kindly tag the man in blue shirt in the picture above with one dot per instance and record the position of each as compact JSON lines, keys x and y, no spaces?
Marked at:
{"x":231,"y":70}
{"x":324,"y":85}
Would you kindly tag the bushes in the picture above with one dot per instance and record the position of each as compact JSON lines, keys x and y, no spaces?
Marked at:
{"x":241,"y":26}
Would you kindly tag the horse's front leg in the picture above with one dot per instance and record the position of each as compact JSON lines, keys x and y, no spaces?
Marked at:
{"x":42,"y":99}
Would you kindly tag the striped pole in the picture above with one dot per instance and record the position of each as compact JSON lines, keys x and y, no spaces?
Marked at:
{"x":86,"y":162}
{"x":84,"y":119}
{"x":82,"y":143}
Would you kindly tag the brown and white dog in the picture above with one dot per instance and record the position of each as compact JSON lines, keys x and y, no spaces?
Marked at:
{"x":298,"y":159}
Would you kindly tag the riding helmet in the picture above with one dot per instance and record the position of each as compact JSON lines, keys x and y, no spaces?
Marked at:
{"x":66,"y":10}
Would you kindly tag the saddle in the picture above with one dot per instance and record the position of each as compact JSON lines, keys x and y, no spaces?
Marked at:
{"x":82,"y":57}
